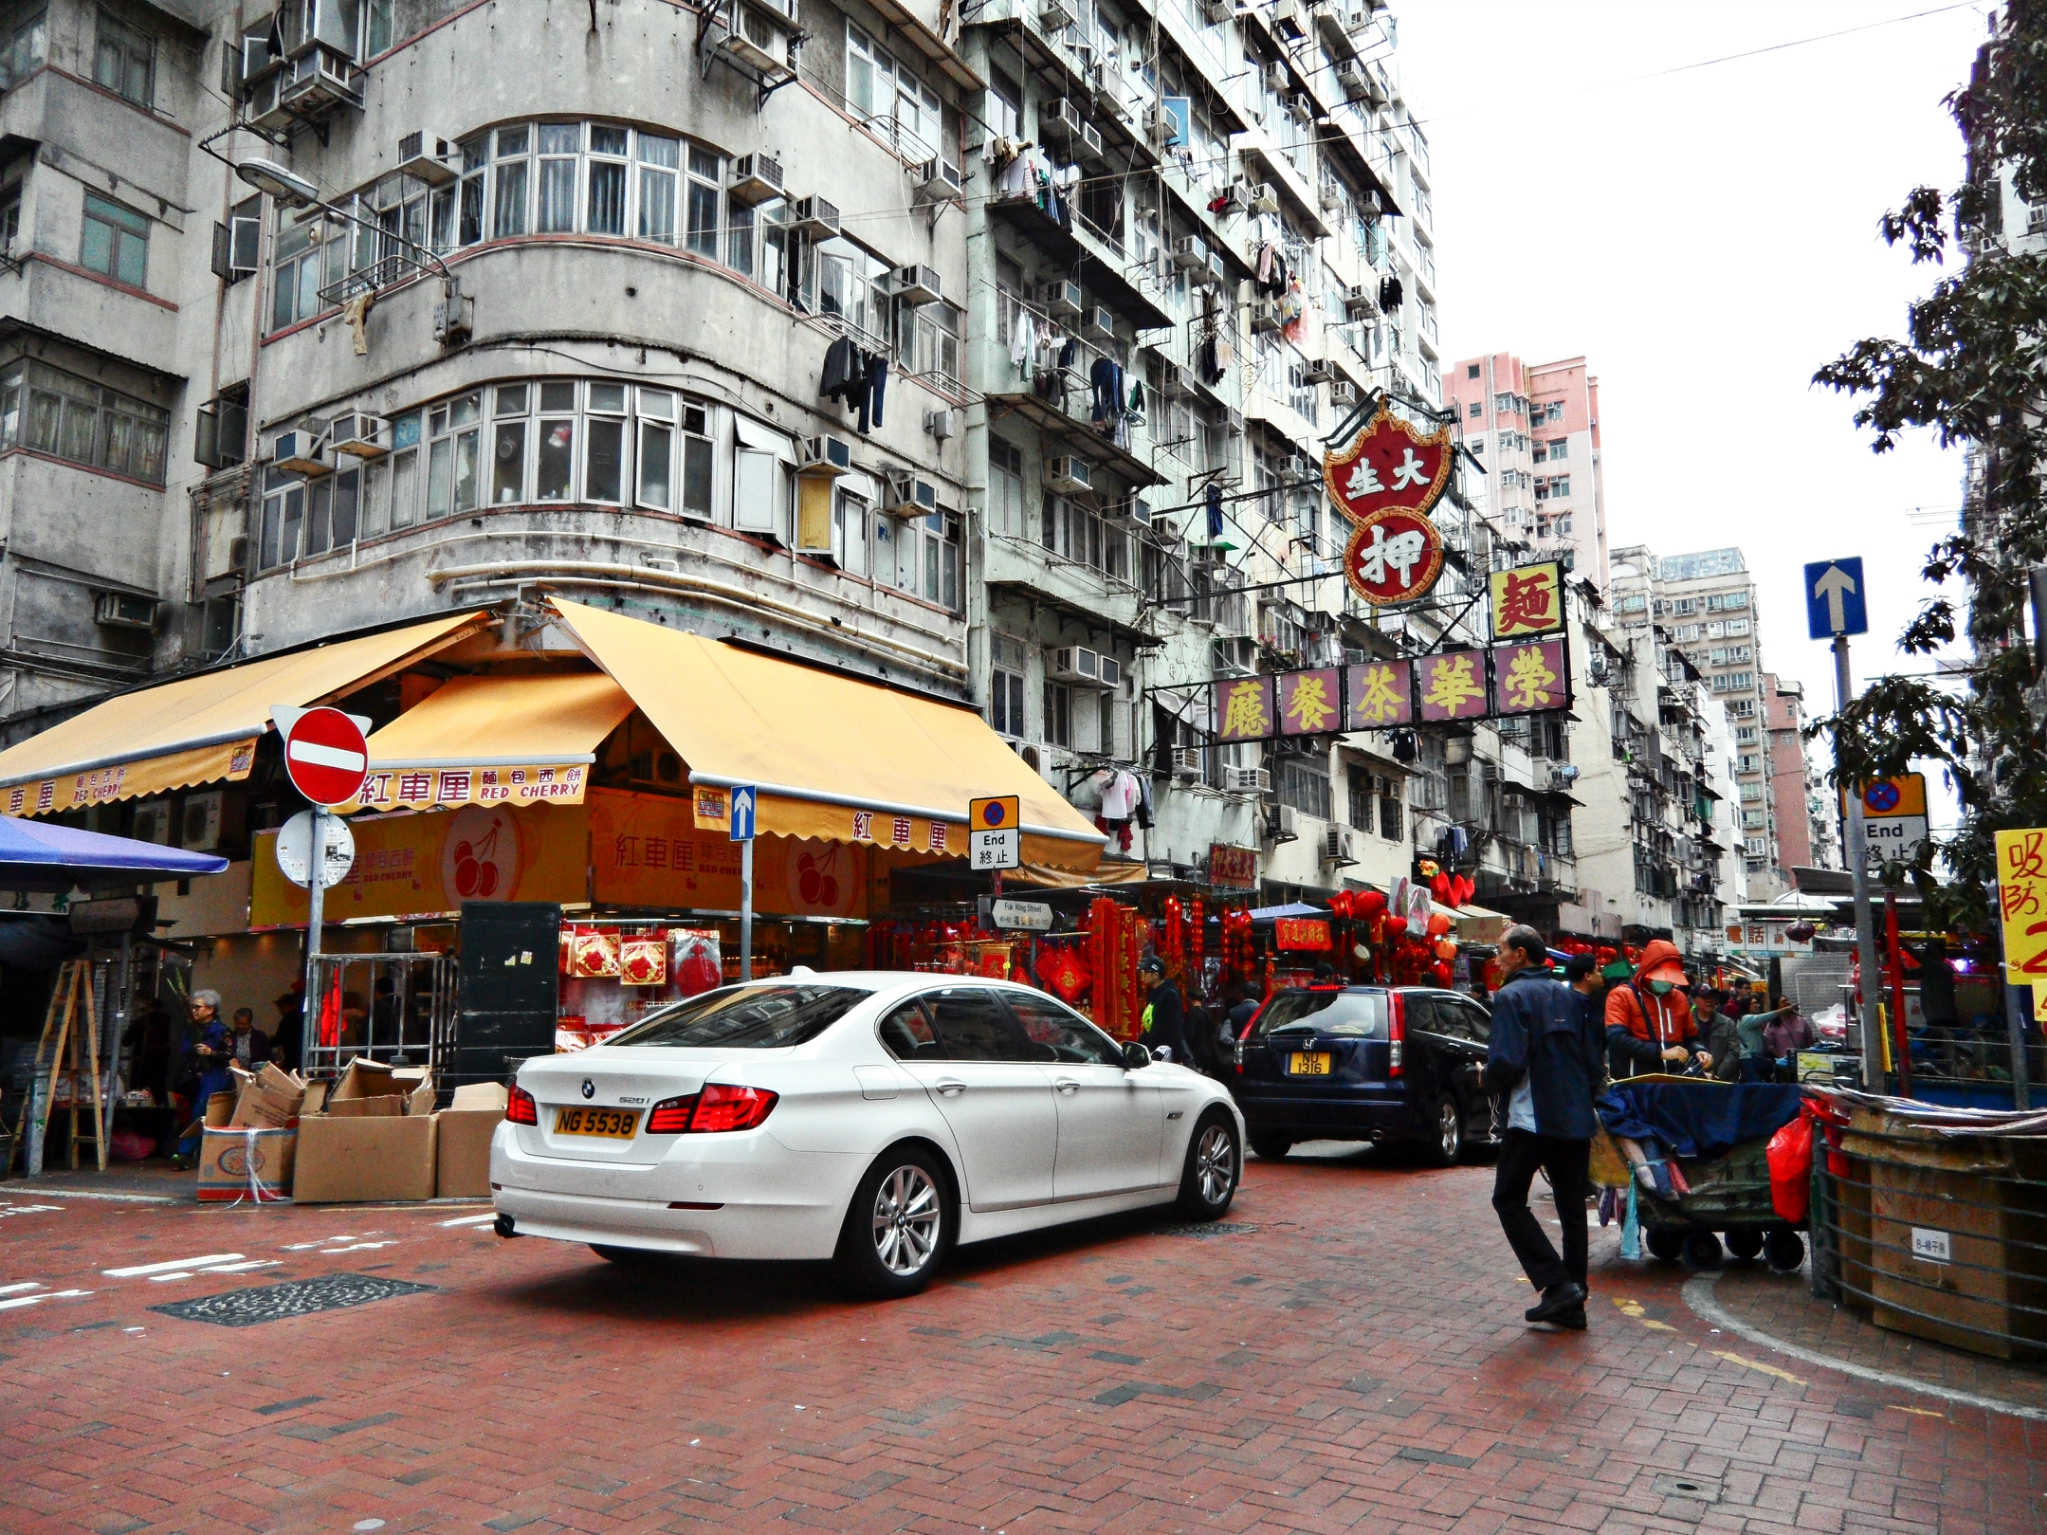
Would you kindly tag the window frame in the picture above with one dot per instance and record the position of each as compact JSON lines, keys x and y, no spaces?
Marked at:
{"x":127,"y":232}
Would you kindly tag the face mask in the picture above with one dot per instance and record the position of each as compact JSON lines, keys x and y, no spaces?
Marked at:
{"x":1661,"y":988}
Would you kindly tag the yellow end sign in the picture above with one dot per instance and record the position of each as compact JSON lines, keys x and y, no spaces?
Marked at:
{"x":1883,"y":798}
{"x":1529,"y":600}
{"x":2022,"y":903}
{"x":1002,"y":813}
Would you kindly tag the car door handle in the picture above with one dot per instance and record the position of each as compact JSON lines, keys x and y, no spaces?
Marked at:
{"x":1067,"y":1085}
{"x":950,"y":1087}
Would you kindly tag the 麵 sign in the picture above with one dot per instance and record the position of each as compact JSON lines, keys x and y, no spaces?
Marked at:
{"x":1385,"y":482}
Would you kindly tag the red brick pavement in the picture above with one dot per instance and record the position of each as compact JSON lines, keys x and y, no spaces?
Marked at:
{"x":1354,"y":1361}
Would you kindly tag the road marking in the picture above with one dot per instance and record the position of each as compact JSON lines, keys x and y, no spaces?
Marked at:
{"x":6,"y":1210}
{"x":238,"y":1268}
{"x":30,"y":1300}
{"x":471,"y":1220}
{"x":16,"y":1289}
{"x":1750,"y":1364}
{"x":361,"y":1247}
{"x":160,"y":1278}
{"x":126,"y":1199}
{"x":136,"y":1271}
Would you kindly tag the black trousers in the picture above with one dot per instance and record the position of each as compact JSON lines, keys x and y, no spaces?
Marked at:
{"x":1567,"y":1163}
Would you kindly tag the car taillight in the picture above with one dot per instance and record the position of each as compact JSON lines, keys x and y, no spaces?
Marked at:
{"x":520,"y":1109}
{"x":730,"y":1108}
{"x":716,"y":1109}
{"x":1397,"y":1035}
{"x":671,"y":1115}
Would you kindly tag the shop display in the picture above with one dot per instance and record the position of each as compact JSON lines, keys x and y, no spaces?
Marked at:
{"x":642,"y":961}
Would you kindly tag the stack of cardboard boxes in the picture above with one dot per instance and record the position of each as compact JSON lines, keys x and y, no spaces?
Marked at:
{"x":375,"y":1137}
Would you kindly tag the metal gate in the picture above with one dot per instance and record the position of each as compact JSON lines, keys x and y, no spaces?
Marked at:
{"x":398,"y":1008}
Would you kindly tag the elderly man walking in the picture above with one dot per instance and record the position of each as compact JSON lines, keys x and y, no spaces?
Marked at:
{"x":1547,"y":1055}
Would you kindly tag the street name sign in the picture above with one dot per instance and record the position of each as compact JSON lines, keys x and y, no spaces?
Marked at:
{"x":995,"y":833}
{"x":1835,"y":599}
{"x":1029,"y":916}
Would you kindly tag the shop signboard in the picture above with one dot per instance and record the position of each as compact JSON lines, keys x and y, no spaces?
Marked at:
{"x":1393,"y":556}
{"x":1453,"y":685}
{"x":2022,"y":904}
{"x":1385,"y":482}
{"x":1531,"y":677}
{"x":1527,"y":601}
{"x":1244,"y":709}
{"x":1380,"y":694}
{"x":1310,"y":934}
{"x":1310,"y":703}
{"x":1023,"y":916}
{"x":1232,"y":868}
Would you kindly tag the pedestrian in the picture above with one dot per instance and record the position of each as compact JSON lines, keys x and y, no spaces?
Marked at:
{"x":1582,"y":974}
{"x":290,"y":1039}
{"x":1165,"y":1015}
{"x":1719,"y":1032}
{"x":251,"y":1045}
{"x":1239,"y":1010}
{"x":1648,"y":1028}
{"x":211,"y":1051}
{"x":1545,"y":1055}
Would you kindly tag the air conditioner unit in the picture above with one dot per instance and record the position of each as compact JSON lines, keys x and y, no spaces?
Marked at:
{"x":940,"y":423}
{"x":755,"y":41}
{"x":321,"y":79}
{"x":263,"y":105}
{"x":1264,"y":199}
{"x":909,"y":496}
{"x":1350,"y":74}
{"x":428,"y":157}
{"x":756,"y":178}
{"x":823,"y":455}
{"x":1247,"y":780}
{"x":1069,"y":473}
{"x":1112,"y":672}
{"x":1061,"y":298}
{"x":936,"y":180}
{"x":1235,"y":198}
{"x":1215,"y":274}
{"x":301,"y":452}
{"x":1457,"y":750}
{"x":1298,"y":105}
{"x":1074,"y":663}
{"x":1265,"y":315}
{"x":1090,"y":143}
{"x":199,"y":820}
{"x":1336,"y":845}
{"x":916,"y":285}
{"x":153,"y":822}
{"x":1216,"y":12}
{"x":1053,"y":16}
{"x":1140,"y":511}
{"x":1276,"y":80}
{"x":1282,"y":824}
{"x":1099,"y":324}
{"x":816,"y":218}
{"x":359,"y":433}
{"x":1178,"y":379}
{"x":1359,"y":302}
{"x":1318,"y":372}
{"x":122,"y":610}
{"x":1061,"y":122}
{"x":1343,"y":393}
{"x":1286,"y":21}
{"x":1332,"y":198}
{"x":1190,"y":251}
{"x":1108,"y":87}
{"x":1187,"y":764}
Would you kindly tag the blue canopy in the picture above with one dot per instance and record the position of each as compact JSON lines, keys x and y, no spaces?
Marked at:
{"x":35,"y":855}
{"x":1291,"y":909}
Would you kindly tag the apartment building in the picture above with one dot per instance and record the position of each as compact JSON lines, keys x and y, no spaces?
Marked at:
{"x":1536,"y":430}
{"x":1810,"y":840}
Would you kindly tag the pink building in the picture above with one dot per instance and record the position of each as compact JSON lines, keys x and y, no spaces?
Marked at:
{"x":1536,"y":429}
{"x":1790,"y":792}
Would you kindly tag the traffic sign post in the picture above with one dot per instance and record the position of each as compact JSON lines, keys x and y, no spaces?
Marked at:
{"x":1894,"y":817}
{"x":995,"y":835}
{"x":1836,"y":606}
{"x":327,"y":757}
{"x":745,"y":801}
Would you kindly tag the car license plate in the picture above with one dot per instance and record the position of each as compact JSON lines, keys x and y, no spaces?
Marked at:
{"x":1308,"y":1063}
{"x":618,"y":1124}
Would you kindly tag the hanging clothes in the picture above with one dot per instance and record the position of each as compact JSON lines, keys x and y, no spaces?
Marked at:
{"x":1391,"y":294}
{"x":1023,"y":340}
{"x":1212,"y":498}
{"x":1069,"y":354}
{"x":841,"y":368}
{"x":877,"y":383}
{"x":1105,"y":382}
{"x":1207,"y":362}
{"x":1120,"y":796}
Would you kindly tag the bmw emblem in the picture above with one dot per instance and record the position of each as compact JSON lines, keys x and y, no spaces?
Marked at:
{"x":589,"y":1088}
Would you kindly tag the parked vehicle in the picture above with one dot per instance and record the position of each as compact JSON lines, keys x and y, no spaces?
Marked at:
{"x":1365,"y":1063}
{"x":874,"y":1118}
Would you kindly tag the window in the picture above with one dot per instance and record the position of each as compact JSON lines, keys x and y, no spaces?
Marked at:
{"x":21,"y":50}
{"x":959,"y":1023}
{"x":704,"y":172}
{"x":1304,"y":784}
{"x":1559,"y":450}
{"x":1390,"y":788}
{"x":57,"y":413}
{"x":1360,"y":806}
{"x":673,"y":443}
{"x":14,"y":180}
{"x":1006,"y":685}
{"x":508,"y":192}
{"x":1058,"y":714}
{"x":930,"y":341}
{"x":749,"y":1018}
{"x":116,"y":241}
{"x":454,"y":433}
{"x":305,"y":258}
{"x":555,"y":212}
{"x":508,"y":445}
{"x":1005,"y":488}
{"x":660,"y":160}
{"x":604,"y":443}
{"x":1476,"y":410}
{"x":469,"y":228}
{"x":1471,"y":371}
{"x":124,"y":60}
{"x":1064,"y":1033}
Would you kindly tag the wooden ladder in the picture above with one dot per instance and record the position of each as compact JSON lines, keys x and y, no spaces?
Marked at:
{"x":73,"y":1013}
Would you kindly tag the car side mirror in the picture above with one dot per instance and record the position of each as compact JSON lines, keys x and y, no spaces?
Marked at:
{"x":1135,"y":1055}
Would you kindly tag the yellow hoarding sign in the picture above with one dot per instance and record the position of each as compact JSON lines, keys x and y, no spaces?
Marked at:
{"x":2022,"y":904}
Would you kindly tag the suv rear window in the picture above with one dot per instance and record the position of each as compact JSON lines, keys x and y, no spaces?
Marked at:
{"x":746,"y":1018}
{"x":1348,"y":1014}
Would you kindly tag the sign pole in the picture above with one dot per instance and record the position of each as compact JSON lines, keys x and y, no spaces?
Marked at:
{"x":746,"y":910}
{"x":315,"y":904}
{"x":1865,"y":917}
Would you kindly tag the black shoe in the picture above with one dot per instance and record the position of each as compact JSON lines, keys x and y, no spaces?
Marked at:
{"x":1571,"y":1321}
{"x":1556,"y":1301}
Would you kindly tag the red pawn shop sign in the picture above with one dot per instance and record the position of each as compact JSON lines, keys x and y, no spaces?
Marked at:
{"x":325,"y":753}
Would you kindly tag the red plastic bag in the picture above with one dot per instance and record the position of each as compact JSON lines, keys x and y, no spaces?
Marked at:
{"x":1791,"y":1170}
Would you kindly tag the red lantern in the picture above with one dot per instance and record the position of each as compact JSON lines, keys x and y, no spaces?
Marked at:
{"x":1446,"y":948}
{"x":1439,"y":924}
{"x":1369,"y":903}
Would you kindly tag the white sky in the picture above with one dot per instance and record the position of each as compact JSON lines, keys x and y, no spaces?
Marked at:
{"x":1706,"y":240}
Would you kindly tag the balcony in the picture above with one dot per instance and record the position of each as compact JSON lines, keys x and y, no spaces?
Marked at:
{"x":1084,"y":252}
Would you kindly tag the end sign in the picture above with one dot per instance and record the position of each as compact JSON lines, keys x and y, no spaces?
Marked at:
{"x":995,"y":833}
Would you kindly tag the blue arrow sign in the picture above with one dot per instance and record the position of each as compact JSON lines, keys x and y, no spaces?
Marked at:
{"x":743,"y":797}
{"x":1835,"y":599}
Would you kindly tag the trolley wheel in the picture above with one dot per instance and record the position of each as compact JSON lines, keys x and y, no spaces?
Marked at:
{"x":1745,"y":1242}
{"x":1784,"y":1251}
{"x":1664,"y":1243}
{"x":1702,"y":1251}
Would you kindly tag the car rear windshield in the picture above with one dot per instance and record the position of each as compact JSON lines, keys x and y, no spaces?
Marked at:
{"x":1352,"y":1014}
{"x":746,"y":1018}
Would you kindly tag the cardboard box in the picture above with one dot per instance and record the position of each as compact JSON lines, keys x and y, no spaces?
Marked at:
{"x":220,"y":1110}
{"x":271,"y":1097}
{"x":464,"y":1142}
{"x":246,"y":1162}
{"x":364,"y":1159}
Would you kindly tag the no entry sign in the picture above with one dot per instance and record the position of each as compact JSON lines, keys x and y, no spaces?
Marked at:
{"x":324,"y":753}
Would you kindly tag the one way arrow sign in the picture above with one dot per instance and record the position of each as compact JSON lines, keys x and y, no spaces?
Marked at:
{"x":1835,"y":601}
{"x":744,"y":801}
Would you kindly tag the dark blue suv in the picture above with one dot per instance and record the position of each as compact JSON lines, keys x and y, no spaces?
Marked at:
{"x":1365,"y":1063}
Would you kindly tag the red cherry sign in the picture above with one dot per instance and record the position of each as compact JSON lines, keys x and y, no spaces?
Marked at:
{"x":326,"y":756}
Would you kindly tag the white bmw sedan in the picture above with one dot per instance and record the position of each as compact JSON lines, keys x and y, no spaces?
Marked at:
{"x":873,"y":1118}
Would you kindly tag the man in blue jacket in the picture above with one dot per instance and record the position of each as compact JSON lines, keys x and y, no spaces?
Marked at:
{"x":1547,"y":1055}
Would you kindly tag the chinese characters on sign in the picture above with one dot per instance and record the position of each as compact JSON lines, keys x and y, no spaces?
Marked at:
{"x":1244,"y":709}
{"x":2022,"y":903}
{"x":425,"y":788}
{"x":1527,"y":678}
{"x":1528,"y":601}
{"x":1381,"y":694}
{"x":1310,"y":933}
{"x":1530,"y":678}
{"x":1453,"y":685}
{"x":1394,"y":556}
{"x":1310,"y":703}
{"x":1385,"y":482}
{"x":1235,"y":867}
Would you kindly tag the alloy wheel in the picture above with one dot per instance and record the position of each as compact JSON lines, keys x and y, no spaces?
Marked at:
{"x":1215,"y":1164}
{"x":907,"y":1216}
{"x":1450,"y":1128}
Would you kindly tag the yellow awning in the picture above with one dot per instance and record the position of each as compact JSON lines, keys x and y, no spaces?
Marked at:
{"x":518,"y":740}
{"x":831,"y":756}
{"x":203,"y":728}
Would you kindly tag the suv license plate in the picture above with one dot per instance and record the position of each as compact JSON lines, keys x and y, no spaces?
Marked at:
{"x":1302,"y":1064}
{"x":617,"y":1124}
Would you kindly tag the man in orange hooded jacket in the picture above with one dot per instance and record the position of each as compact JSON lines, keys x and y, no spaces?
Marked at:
{"x":1649,"y":1024}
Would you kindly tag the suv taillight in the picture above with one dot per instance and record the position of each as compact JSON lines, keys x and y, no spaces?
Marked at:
{"x":1396,"y":1034}
{"x":520,"y":1109}
{"x":718,"y":1108}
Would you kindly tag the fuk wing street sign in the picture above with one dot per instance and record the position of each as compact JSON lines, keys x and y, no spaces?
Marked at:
{"x":1835,"y":600}
{"x":1385,"y":482}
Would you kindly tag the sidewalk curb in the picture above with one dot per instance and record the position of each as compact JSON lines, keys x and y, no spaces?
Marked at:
{"x":1698,"y":1295}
